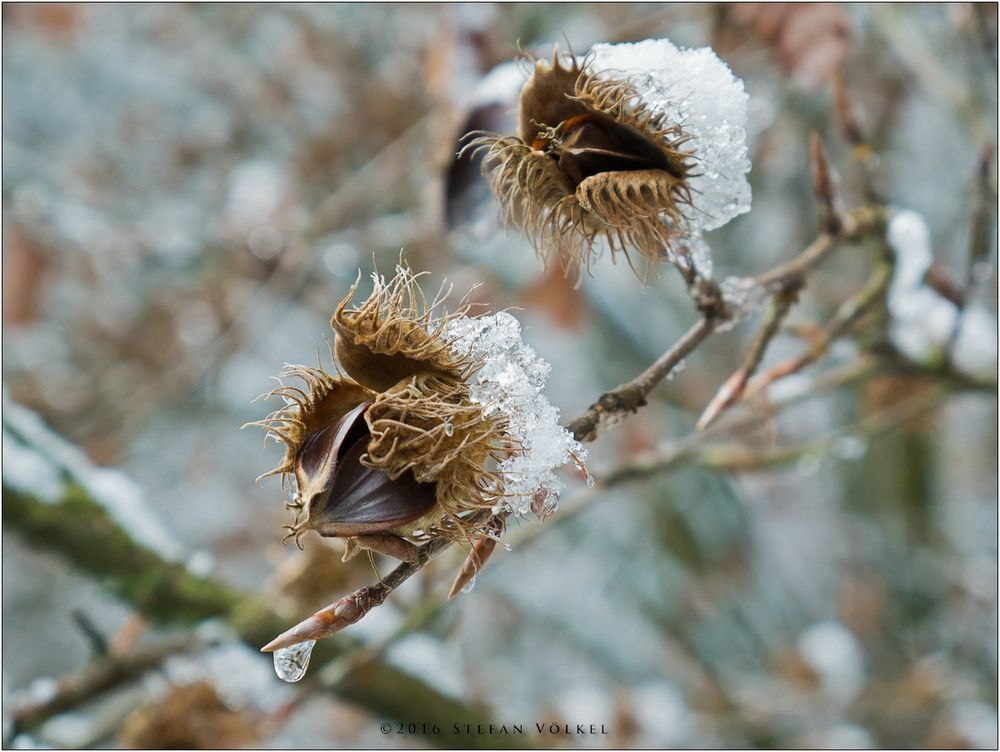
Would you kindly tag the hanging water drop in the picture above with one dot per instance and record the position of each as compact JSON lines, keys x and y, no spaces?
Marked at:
{"x":290,"y":663}
{"x":449,"y":429}
{"x":467,"y":587}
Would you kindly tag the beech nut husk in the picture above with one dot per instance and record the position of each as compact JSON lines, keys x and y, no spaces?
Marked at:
{"x":590,"y":161}
{"x":391,"y":451}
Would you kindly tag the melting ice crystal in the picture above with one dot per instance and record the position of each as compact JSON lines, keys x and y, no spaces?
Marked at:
{"x":510,"y":383}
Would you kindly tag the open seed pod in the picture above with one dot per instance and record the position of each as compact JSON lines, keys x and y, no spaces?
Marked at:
{"x":400,"y":448}
{"x":639,"y":146}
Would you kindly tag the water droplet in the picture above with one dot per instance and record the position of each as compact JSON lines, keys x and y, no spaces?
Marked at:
{"x":290,"y":663}
{"x":466,"y":588}
{"x":449,"y":429}
{"x":508,"y":547}
{"x":590,"y":481}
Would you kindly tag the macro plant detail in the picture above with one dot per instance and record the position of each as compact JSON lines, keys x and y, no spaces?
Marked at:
{"x":436,"y":430}
{"x":438,"y":433}
{"x":635,"y":146}
{"x":758,"y":510}
{"x":412,"y":445}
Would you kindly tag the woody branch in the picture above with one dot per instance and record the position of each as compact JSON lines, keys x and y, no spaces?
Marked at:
{"x":781,"y":285}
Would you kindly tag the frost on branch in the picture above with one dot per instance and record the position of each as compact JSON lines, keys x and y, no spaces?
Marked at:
{"x":509,"y":384}
{"x":922,"y":320}
{"x":42,"y":463}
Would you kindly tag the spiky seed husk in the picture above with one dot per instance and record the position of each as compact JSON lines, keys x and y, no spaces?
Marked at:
{"x":429,"y":426}
{"x":424,"y":423}
{"x":640,"y":204}
{"x":324,"y":400}
{"x":389,"y":336}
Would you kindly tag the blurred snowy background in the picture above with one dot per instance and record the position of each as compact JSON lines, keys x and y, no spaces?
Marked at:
{"x":188,"y":190}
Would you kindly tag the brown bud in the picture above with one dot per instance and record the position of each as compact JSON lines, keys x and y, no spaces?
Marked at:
{"x":329,"y":620}
{"x":476,"y":560}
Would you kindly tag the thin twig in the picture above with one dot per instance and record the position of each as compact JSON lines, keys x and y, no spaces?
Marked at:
{"x":615,"y":403}
{"x":825,"y":189}
{"x":106,"y":674}
{"x":782,"y":281}
{"x":732,"y":390}
{"x":687,"y":448}
{"x":740,"y":457}
{"x":351,"y":608}
{"x":862,"y":222}
{"x":847,"y":314}
{"x":785,"y":281}
{"x":630,"y":396}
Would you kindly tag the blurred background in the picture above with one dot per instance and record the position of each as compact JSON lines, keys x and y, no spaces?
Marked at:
{"x":187,"y":192}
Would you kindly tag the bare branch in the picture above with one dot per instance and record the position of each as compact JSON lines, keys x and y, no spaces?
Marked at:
{"x":740,"y":457}
{"x":732,"y":389}
{"x":351,"y":608}
{"x":863,"y":222}
{"x":687,"y":449}
{"x":847,"y":314}
{"x":785,"y":281}
{"x":631,"y":395}
{"x":102,"y":676}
